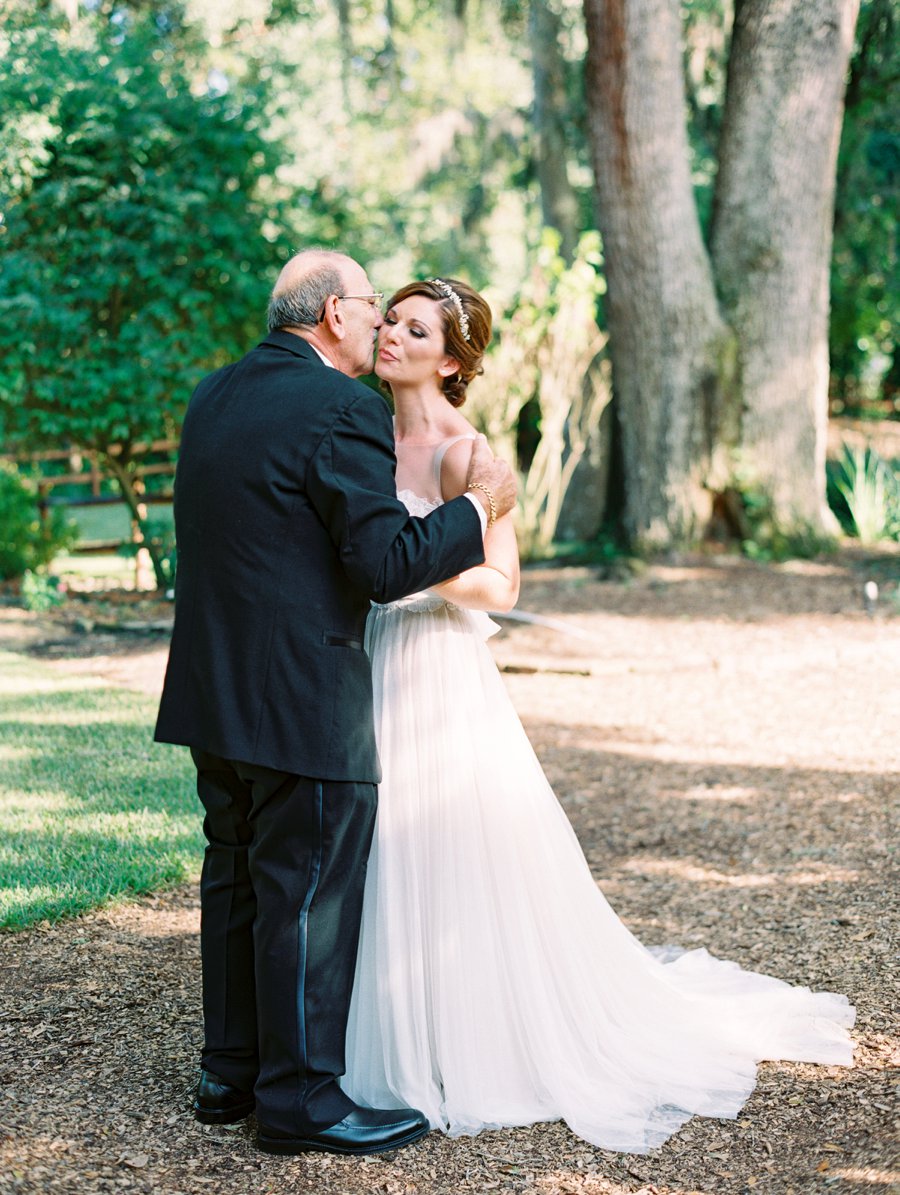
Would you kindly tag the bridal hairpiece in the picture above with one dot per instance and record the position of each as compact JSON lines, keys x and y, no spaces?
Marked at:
{"x":451,"y":294}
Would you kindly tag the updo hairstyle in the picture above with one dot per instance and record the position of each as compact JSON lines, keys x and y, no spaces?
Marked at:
{"x":469,"y":353}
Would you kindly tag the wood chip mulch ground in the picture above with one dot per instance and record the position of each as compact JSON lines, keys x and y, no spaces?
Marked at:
{"x":724,"y":737}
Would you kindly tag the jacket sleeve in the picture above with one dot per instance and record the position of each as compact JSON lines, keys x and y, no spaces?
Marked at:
{"x":385,"y":551}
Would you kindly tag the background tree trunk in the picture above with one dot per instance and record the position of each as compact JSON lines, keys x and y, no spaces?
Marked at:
{"x":119,"y":464}
{"x":672,"y":354}
{"x":559,"y":204}
{"x":771,"y":238}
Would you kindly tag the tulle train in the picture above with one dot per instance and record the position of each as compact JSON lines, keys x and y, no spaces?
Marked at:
{"x":495,"y":984}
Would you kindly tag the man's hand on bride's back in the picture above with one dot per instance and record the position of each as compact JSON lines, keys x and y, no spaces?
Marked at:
{"x":495,"y":475}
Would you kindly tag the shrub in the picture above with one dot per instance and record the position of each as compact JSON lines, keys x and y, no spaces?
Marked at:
{"x":40,"y":592}
{"x":871,"y":491}
{"x":26,"y":541}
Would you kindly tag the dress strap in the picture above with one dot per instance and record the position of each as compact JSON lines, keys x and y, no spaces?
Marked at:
{"x":441,"y":451}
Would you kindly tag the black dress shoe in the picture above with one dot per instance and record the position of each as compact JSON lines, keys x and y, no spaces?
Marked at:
{"x":217,"y":1102}
{"x":362,"y":1131}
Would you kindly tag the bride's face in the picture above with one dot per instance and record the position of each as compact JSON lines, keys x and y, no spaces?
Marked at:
{"x":411,"y":348}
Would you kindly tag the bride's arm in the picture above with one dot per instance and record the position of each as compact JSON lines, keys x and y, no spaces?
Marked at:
{"x":493,"y":585}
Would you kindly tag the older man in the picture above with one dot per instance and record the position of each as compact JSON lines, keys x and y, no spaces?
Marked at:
{"x":287,"y":525}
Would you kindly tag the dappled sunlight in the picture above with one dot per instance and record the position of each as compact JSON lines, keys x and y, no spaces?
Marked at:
{"x":9,"y":753}
{"x":89,"y":807}
{"x":681,"y":869}
{"x":21,"y":805}
{"x":72,"y":713}
{"x":871,"y":1175}
{"x":737,"y":754}
{"x":32,"y":686}
{"x":715,"y":792}
{"x":147,"y":824}
{"x":576,"y":1182}
{"x":17,"y":677}
{"x":741,"y":793}
{"x":166,"y":922}
{"x":724,"y":591}
{"x":17,"y":901}
{"x":27,"y":688}
{"x":142,"y":671}
{"x":62,"y":855}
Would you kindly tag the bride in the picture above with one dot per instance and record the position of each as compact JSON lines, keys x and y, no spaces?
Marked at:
{"x":495,"y":986}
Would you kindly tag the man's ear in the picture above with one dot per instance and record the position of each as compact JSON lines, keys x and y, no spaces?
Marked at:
{"x":448,"y":367}
{"x":333,"y":318}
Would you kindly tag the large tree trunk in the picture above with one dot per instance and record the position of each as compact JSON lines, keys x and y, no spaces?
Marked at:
{"x":118,"y":465}
{"x":559,"y":204}
{"x":672,"y":354}
{"x":771,"y":238}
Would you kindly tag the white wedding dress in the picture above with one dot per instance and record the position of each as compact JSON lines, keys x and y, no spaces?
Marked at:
{"x":495,"y":985}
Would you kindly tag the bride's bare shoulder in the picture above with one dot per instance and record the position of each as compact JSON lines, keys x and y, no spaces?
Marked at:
{"x":455,"y":464}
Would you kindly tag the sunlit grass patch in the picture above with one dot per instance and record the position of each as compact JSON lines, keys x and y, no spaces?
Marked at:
{"x":19,"y":675}
{"x":90,"y":807}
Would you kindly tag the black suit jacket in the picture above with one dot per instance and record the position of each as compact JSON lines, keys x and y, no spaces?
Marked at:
{"x":287,"y":524}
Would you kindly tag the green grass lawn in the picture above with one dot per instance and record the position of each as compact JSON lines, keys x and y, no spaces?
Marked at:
{"x":106,"y":522}
{"x":90,"y":807}
{"x":109,"y":569}
{"x":112,"y":520}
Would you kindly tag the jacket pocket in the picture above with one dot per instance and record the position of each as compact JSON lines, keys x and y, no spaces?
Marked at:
{"x":333,"y":639}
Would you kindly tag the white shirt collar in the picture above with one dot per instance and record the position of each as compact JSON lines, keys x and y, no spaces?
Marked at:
{"x":322,"y":356}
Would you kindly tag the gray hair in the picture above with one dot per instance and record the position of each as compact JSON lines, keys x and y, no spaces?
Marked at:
{"x":302,"y":304}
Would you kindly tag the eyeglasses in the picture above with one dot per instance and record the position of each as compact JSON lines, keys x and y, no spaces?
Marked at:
{"x":376,"y":299}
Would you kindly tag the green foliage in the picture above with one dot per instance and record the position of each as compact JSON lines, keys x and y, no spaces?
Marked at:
{"x":414,"y":150}
{"x":153,"y":154}
{"x":27,"y":542}
{"x":547,"y":369}
{"x":865,"y":286}
{"x":769,"y":542}
{"x":607,"y":556}
{"x":40,"y":592}
{"x":871,"y":491}
{"x":90,"y":808}
{"x":705,"y":25}
{"x":133,"y":210}
{"x":766,"y":539}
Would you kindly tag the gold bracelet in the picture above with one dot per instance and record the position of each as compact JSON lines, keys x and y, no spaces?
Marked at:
{"x":477,"y":485}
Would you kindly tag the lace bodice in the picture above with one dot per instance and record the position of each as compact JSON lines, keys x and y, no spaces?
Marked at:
{"x":416,"y":504}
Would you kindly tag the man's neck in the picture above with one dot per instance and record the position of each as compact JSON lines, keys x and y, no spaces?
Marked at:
{"x":312,"y":338}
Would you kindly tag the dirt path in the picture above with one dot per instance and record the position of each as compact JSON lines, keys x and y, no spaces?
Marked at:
{"x":724,"y":739}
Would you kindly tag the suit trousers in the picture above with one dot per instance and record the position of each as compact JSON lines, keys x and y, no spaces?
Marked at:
{"x":281,"y":900}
